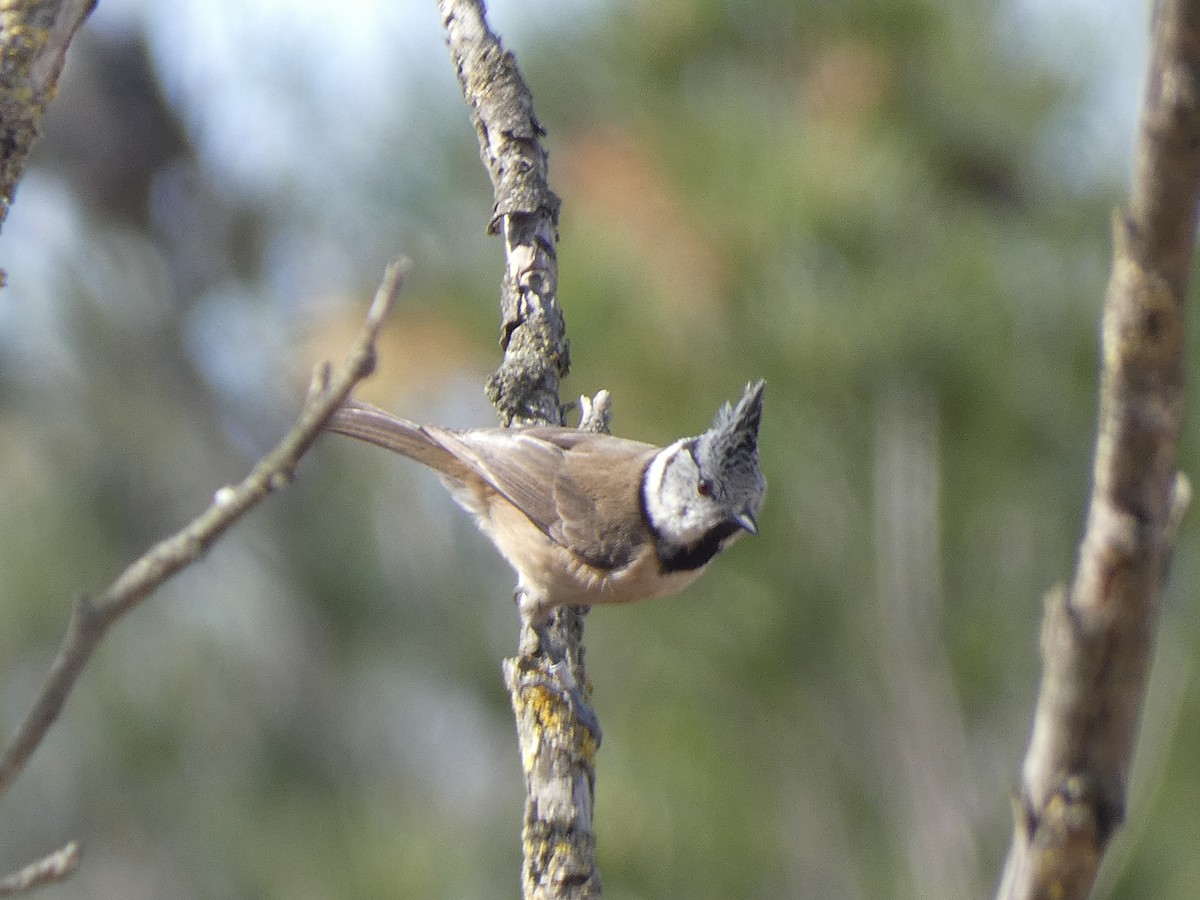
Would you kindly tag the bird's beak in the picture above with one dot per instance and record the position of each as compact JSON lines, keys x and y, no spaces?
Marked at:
{"x":746,"y":520}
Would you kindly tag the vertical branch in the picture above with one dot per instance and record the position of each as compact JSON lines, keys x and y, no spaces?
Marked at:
{"x":1098,"y":636}
{"x":533,"y":334}
{"x":556,"y":751}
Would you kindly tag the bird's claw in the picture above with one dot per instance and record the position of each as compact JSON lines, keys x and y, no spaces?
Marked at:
{"x":568,"y":687}
{"x":562,"y":682}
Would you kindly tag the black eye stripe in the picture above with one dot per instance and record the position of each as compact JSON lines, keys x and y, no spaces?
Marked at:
{"x":704,"y":487}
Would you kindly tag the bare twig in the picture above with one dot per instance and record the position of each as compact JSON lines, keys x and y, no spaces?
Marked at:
{"x":557,"y":754}
{"x":90,"y":619}
{"x":595,"y":413}
{"x":55,"y":867}
{"x":1098,"y":636}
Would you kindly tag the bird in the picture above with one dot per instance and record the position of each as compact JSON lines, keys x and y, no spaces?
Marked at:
{"x":586,"y":518}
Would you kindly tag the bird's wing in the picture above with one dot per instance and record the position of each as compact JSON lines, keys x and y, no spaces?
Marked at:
{"x":517,"y":464}
{"x":583,"y":490}
{"x":599,"y":500}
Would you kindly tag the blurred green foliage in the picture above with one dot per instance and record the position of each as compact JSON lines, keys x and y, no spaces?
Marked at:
{"x":863,"y":202}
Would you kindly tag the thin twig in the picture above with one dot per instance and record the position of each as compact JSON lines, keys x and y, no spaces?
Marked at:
{"x":1098,"y":636}
{"x":90,"y":619}
{"x":51,"y":868}
{"x":556,"y":750}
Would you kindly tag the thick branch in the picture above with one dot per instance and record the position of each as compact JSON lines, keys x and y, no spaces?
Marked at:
{"x":556,"y":752}
{"x":34,"y":35}
{"x":1098,"y":636}
{"x":533,"y":334}
{"x":90,"y":619}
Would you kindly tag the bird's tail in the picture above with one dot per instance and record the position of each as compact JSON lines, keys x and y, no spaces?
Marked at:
{"x":369,"y":423}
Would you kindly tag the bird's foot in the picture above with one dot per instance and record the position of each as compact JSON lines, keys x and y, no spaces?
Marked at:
{"x":562,"y":682}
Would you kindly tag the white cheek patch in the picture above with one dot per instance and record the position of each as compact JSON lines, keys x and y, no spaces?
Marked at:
{"x":671,"y":502}
{"x":652,"y":485}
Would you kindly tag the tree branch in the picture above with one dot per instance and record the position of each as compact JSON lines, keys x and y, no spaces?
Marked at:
{"x":533,"y":334}
{"x":556,"y":751}
{"x":1098,"y":636}
{"x":57,"y":866}
{"x":34,"y":35}
{"x":91,"y":619}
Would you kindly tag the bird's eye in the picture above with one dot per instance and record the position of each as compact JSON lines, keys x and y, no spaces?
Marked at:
{"x":704,"y":487}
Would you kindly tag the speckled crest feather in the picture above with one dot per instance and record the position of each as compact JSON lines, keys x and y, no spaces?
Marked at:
{"x":733,"y":438}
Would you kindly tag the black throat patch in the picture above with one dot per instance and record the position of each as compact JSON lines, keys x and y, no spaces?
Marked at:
{"x":690,"y":557}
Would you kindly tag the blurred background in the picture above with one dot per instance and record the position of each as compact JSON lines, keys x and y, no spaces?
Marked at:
{"x":896,"y":212}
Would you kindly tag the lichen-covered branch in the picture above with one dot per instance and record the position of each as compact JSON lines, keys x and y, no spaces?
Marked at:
{"x":525,"y":387}
{"x":1098,"y":634}
{"x":91,"y":618}
{"x":556,"y":751}
{"x":34,"y":35}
